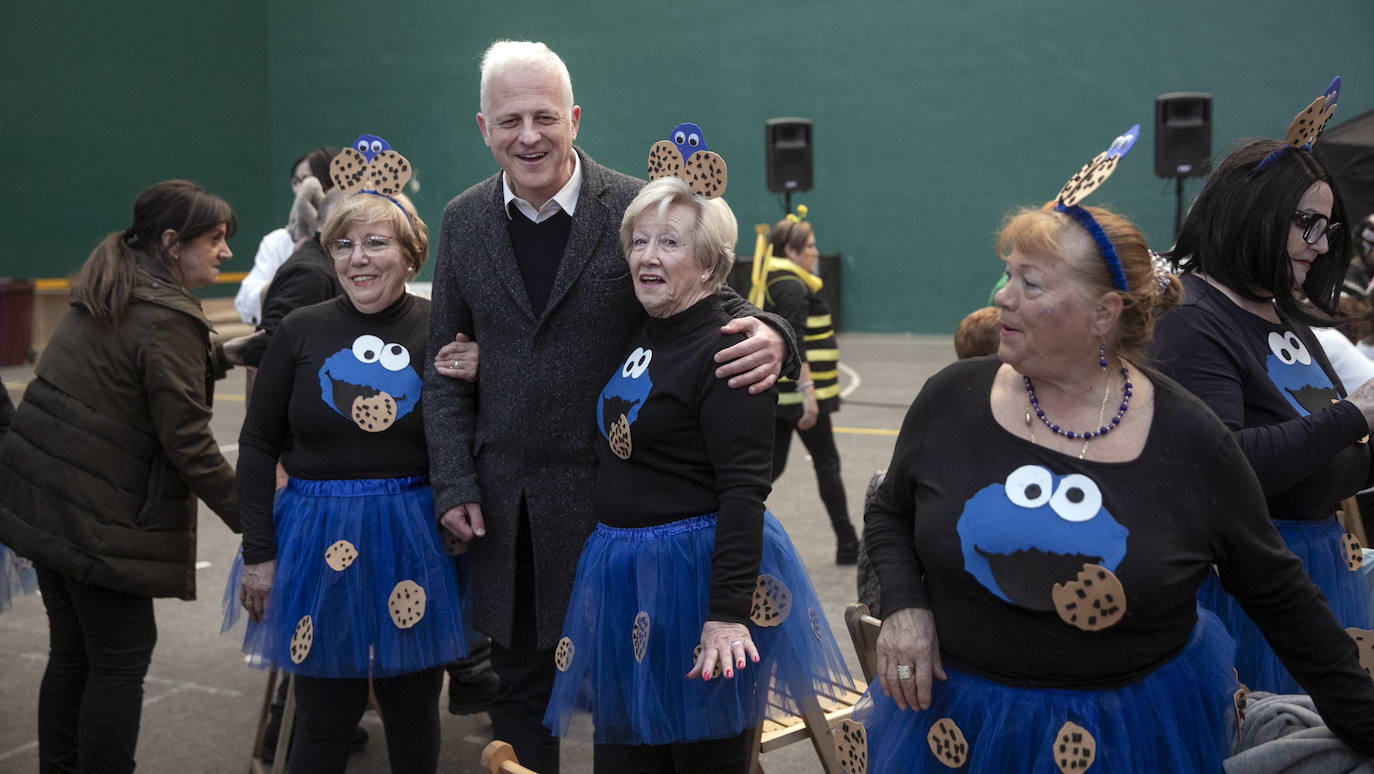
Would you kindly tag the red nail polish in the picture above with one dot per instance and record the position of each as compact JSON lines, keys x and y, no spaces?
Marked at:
{"x":739,"y":664}
{"x":729,"y":674}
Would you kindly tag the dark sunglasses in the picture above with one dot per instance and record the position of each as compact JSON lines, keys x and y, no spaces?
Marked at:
{"x":1315,"y":225}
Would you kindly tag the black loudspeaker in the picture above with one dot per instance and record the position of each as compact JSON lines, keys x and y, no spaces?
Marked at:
{"x":789,"y":154}
{"x":1183,"y":134}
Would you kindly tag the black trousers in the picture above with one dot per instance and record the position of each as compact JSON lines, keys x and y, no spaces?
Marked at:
{"x":100,"y":642}
{"x":328,"y":709}
{"x":820,"y":443}
{"x":708,"y":756}
{"x":527,"y":674}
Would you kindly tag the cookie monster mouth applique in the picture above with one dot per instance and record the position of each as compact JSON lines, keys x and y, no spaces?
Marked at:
{"x":1292,"y":369}
{"x":1045,"y":542}
{"x":618,"y":406}
{"x":370,"y":383}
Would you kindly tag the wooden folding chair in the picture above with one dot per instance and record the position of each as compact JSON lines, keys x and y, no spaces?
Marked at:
{"x":288,"y":720}
{"x":863,"y":630}
{"x":498,"y":757}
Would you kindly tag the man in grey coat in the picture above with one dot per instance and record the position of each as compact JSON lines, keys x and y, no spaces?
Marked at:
{"x":529,"y":265}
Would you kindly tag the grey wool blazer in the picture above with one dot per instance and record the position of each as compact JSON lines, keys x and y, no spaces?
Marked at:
{"x":525,"y":429}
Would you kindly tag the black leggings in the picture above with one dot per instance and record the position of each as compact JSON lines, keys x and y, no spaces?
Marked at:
{"x":100,"y":642}
{"x":820,"y":443}
{"x":708,"y":756}
{"x":328,"y":708}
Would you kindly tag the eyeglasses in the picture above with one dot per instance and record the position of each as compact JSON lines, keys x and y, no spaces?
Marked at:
{"x":1315,"y":225}
{"x":374,"y":245}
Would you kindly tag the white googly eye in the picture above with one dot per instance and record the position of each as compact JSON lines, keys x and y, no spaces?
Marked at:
{"x":376,"y":146}
{"x":1288,"y":348}
{"x":694,"y":139}
{"x":395,"y":357}
{"x":637,"y":363}
{"x":1030,"y":486}
{"x":680,"y":138}
{"x":368,"y":348}
{"x":1077,"y":498}
{"x":362,"y":146}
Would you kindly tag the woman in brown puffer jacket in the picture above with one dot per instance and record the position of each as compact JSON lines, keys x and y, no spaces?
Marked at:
{"x":102,"y":466}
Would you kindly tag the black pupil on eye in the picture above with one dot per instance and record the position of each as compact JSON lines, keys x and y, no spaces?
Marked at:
{"x":395,"y":349}
{"x":1033,"y":492}
{"x":369,"y":354}
{"x":1285,"y":355}
{"x":1074,"y":495}
{"x":680,"y":138}
{"x":693,"y":141}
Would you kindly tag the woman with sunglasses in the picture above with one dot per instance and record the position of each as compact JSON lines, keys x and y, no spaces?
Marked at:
{"x":1262,"y":253}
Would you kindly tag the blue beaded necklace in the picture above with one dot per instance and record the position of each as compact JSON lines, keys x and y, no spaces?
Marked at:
{"x":1088,"y":435}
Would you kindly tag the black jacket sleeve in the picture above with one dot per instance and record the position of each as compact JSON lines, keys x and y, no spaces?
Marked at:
{"x":294,"y":286}
{"x":736,"y":306}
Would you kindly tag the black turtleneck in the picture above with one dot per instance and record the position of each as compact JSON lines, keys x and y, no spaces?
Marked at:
{"x":695,"y":446}
{"x":338,"y":395}
{"x":538,"y":252}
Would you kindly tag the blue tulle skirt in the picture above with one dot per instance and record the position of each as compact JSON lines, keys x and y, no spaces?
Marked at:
{"x":638,"y":604}
{"x":16,"y":577}
{"x":362,"y":586}
{"x":1320,"y":547}
{"x":1179,"y":718}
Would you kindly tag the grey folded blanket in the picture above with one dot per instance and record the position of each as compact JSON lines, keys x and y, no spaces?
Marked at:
{"x":1283,"y":734}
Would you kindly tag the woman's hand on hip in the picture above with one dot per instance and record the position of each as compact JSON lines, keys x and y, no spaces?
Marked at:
{"x":724,"y":645}
{"x":255,"y":586}
{"x":908,"y":657}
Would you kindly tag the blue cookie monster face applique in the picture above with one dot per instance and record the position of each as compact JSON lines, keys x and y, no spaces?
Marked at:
{"x":1022,"y":537}
{"x":618,"y":406}
{"x":1292,"y":369}
{"x":371,"y":383}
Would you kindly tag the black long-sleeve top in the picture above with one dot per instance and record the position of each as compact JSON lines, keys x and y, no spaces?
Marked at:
{"x":977,"y":524}
{"x":306,"y":278}
{"x":695,"y":446}
{"x":1273,"y":386}
{"x":337,"y":397}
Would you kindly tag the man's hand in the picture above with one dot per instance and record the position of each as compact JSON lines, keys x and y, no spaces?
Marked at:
{"x":755,"y":362}
{"x":465,"y":521}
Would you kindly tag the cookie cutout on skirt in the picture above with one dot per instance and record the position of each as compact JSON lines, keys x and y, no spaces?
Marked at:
{"x":1093,"y":601}
{"x":715,"y":670}
{"x":639,"y":635}
{"x":302,"y":639}
{"x":1364,"y":641}
{"x":772,"y":602}
{"x":563,"y":654}
{"x":406,"y":604}
{"x":1074,"y":748}
{"x":947,"y":743}
{"x":664,"y":160}
{"x":453,"y":545}
{"x":1354,"y":552}
{"x":619,"y":437}
{"x":374,"y":414}
{"x":851,"y":746}
{"x":817,"y":626}
{"x":340,"y":555}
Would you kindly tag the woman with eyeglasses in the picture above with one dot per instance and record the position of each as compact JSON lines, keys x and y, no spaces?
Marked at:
{"x":1262,"y":253}
{"x":345,"y":576}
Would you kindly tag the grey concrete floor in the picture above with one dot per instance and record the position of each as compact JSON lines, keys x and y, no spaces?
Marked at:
{"x":201,"y":701}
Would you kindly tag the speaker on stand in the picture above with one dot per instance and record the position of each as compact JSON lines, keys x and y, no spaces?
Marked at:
{"x":1183,"y":141}
{"x":788,"y":153}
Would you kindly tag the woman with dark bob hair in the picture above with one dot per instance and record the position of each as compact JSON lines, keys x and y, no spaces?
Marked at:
{"x":1263,"y":256}
{"x":101,"y":469}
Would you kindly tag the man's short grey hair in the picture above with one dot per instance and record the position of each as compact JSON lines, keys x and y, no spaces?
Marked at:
{"x":504,"y":55}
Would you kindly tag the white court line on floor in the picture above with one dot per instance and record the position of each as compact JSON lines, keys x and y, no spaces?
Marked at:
{"x":854,"y":381}
{"x":23,"y":748}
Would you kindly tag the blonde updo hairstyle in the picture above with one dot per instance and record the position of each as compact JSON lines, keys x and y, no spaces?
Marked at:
{"x":1046,"y":232}
{"x":412,"y":235}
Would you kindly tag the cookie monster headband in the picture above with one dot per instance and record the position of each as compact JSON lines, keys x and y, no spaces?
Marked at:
{"x":1307,"y":126}
{"x":1087,"y":180}
{"x":685,"y":156}
{"x":370,"y":166}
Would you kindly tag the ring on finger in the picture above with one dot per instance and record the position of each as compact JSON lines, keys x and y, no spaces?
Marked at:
{"x":903,"y":672}
{"x":455,"y":365}
{"x":736,"y":643}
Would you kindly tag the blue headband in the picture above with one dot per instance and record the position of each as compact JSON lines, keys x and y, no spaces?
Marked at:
{"x":1104,"y":245}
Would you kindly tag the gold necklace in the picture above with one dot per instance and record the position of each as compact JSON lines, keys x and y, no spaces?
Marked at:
{"x":1101,"y":412}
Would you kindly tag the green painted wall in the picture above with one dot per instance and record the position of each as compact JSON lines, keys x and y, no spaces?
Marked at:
{"x":932,"y":120}
{"x":101,"y":100}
